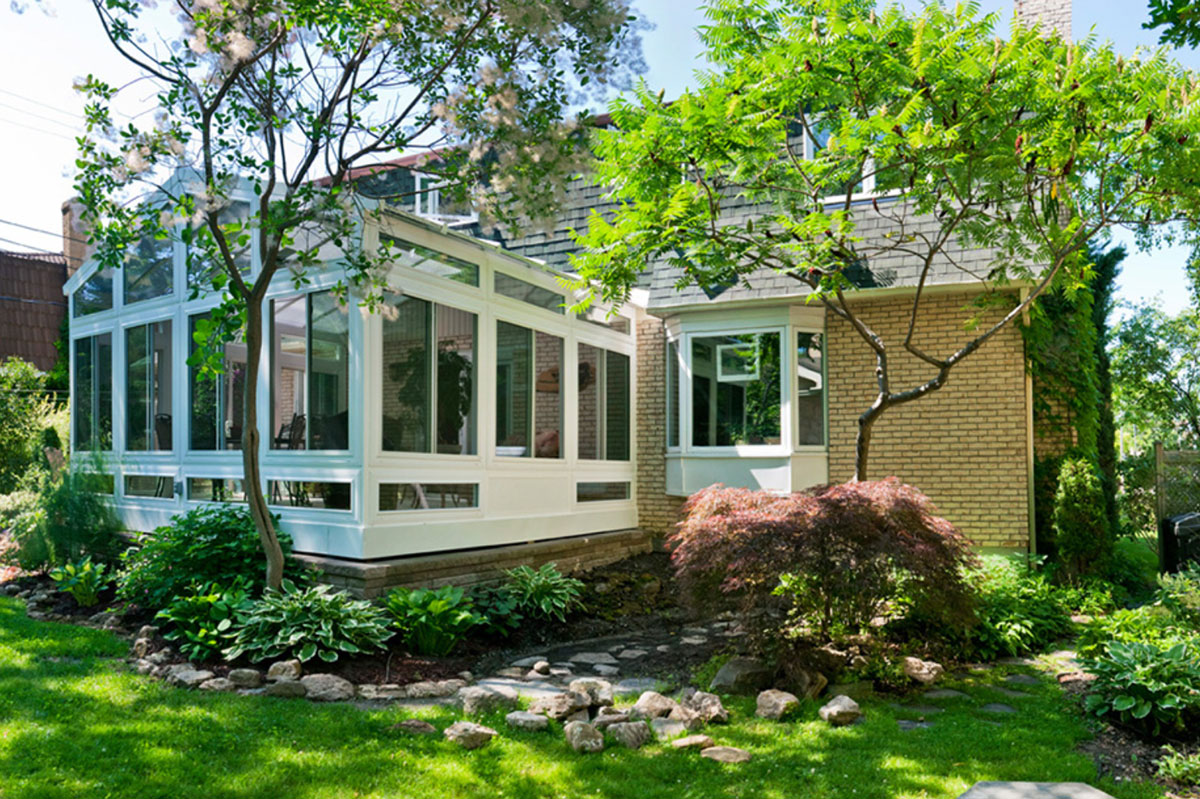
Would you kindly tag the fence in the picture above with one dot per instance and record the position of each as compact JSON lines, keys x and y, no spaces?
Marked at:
{"x":1176,"y":481}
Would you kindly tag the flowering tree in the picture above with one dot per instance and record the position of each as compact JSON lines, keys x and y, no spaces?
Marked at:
{"x":831,"y":114}
{"x":295,"y":100}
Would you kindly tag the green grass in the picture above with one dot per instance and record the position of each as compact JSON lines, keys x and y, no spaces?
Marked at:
{"x":75,"y":723}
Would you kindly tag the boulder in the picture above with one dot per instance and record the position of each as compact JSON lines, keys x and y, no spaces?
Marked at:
{"x":666,"y":729}
{"x":468,"y":734}
{"x":609,"y":716}
{"x":141,"y":647}
{"x":524,"y":720}
{"x":147,"y":631}
{"x":144,"y":667}
{"x":741,"y":676}
{"x":925,"y":672}
{"x":218,"y":684}
{"x":433,"y":689}
{"x":188,"y":677}
{"x":246,"y":678}
{"x":692,"y":742}
{"x":415,"y":727}
{"x":559,"y":706}
{"x":598,"y":691}
{"x":289,"y":689}
{"x":630,"y":734}
{"x":284,"y":670}
{"x":840,"y":710}
{"x":726,"y":754}
{"x":161,"y":657}
{"x":381,"y":693}
{"x":583,"y":737}
{"x":476,"y":699}
{"x":686,"y":716}
{"x":808,"y":683}
{"x":708,"y":707}
{"x":541,"y":667}
{"x":327,"y":688}
{"x":774,"y":705}
{"x":652,"y":705}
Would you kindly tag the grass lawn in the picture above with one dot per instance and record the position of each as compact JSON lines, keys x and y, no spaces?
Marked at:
{"x":75,"y":723}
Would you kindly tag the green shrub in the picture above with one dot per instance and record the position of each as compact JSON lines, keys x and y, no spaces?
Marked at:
{"x":83,"y":580}
{"x":1145,"y":686}
{"x":1018,"y":610}
{"x":68,"y":519}
{"x":202,"y":621}
{"x":1179,"y":767}
{"x":544,"y":593}
{"x":1082,"y":535}
{"x":23,"y":409}
{"x":497,"y":610}
{"x":211,"y":543}
{"x":1180,"y":594}
{"x":1149,"y":624}
{"x":432,"y":621}
{"x":309,"y":622}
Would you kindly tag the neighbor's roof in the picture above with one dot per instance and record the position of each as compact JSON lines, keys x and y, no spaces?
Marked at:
{"x":31,"y":305}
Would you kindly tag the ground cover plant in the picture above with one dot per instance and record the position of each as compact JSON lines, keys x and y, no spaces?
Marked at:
{"x":202,"y":621}
{"x":74,"y":722}
{"x":432,"y":621}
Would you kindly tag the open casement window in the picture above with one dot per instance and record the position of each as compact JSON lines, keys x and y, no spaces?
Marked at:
{"x":95,"y":295}
{"x":217,"y":400}
{"x":428,"y":378}
{"x":93,"y":388}
{"x":861,"y":186}
{"x":529,"y":392}
{"x":810,"y":389}
{"x":200,"y":270}
{"x":310,"y":373}
{"x":603,"y":404}
{"x":148,"y":384}
{"x":736,"y":382}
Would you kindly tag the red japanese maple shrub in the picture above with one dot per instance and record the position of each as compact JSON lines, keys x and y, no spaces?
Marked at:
{"x":839,"y":555}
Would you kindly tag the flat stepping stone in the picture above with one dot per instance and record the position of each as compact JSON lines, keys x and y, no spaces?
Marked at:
{"x":694,"y":640}
{"x":529,"y":662}
{"x":1010,"y":692}
{"x":533,"y":689}
{"x":592,"y":658}
{"x":1033,"y":790}
{"x":998,"y":707}
{"x":906,"y":725}
{"x":919,"y":710}
{"x":945,"y":693}
{"x":1017,"y":662}
{"x":636,"y":685}
{"x":1022,"y":679}
{"x":631,"y":654}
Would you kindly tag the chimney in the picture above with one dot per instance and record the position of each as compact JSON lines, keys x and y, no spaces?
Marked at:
{"x":75,"y":246}
{"x":1054,"y":15}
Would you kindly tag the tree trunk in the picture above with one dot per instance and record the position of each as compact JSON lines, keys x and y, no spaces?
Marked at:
{"x":252,"y":476}
{"x":862,"y":444}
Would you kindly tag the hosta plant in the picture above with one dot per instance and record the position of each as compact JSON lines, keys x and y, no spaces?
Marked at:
{"x":309,"y":622}
{"x":201,"y":622}
{"x":432,"y":621}
{"x":84,"y":580}
{"x":545,"y":592}
{"x":1147,"y":687}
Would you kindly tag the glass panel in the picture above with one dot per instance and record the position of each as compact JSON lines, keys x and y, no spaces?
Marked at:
{"x":455,"y":381}
{"x":548,"y":411}
{"x":589,"y":402}
{"x":616,"y":407}
{"x":96,"y":293}
{"x":514,"y":356}
{"x":289,"y":366}
{"x":148,"y":357}
{"x":200,"y":271}
{"x":298,"y":494}
{"x":216,"y":400}
{"x":437,"y":263}
{"x":599,"y":317}
{"x":673,"y":374}
{"x":510,"y":286}
{"x":149,"y":270}
{"x":329,"y":377}
{"x":599,"y":492}
{"x":735,"y":390}
{"x":204,"y":489}
{"x":147,"y":485}
{"x":810,"y":389}
{"x":92,"y":408}
{"x":406,"y":375}
{"x":427,"y":496}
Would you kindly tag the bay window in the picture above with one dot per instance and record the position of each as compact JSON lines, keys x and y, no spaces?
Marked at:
{"x":736,"y":381}
{"x":810,"y":390}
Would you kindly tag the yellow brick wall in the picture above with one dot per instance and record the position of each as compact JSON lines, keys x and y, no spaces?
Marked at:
{"x":657,"y":512}
{"x":965,"y":445}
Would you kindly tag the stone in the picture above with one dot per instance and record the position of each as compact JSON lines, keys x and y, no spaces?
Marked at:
{"x":143,"y":667}
{"x":600,"y":692}
{"x":773,"y":704}
{"x":468,"y":734}
{"x":630,"y":734}
{"x":945,"y":693}
{"x":694,"y":640}
{"x":477,"y":699}
{"x":708,"y":707}
{"x":726,"y":754}
{"x":1022,"y":679}
{"x":512,"y":673}
{"x":1033,"y":790}
{"x":112,"y":623}
{"x":605,"y":670}
{"x":246,"y":678}
{"x":631,"y":654}
{"x":687,"y":717}
{"x":592,"y":658}
{"x":609,"y":716}
{"x":840,"y":711}
{"x":327,"y":688}
{"x":693,"y":742}
{"x":561,"y":705}
{"x":1010,"y":693}
{"x":666,"y":729}
{"x":560,"y":672}
{"x":529,"y":662}
{"x":141,"y":647}
{"x":381,"y":693}
{"x":415,"y":727}
{"x":541,"y":667}
{"x":861,"y":689}
{"x":289,"y":689}
{"x":188,"y":677}
{"x":635,"y":685}
{"x":919,"y":710}
{"x":652,"y":705}
{"x":578,"y":715}
{"x":808,"y":683}
{"x":433,"y":689}
{"x":222,"y":684}
{"x":998,"y":707}
{"x":161,"y":657}
{"x":147,"y":631}
{"x":529,"y":722}
{"x":906,"y":725}
{"x":284,"y":670}
{"x":741,"y":675}
{"x":583,"y":737}
{"x":925,"y":672}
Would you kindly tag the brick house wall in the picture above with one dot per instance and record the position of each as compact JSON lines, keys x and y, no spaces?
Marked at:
{"x":657,"y":512}
{"x":965,"y":445}
{"x":32,"y":306}
{"x":1053,"y":14}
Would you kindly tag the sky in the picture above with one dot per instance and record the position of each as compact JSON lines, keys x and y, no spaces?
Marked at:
{"x":42,"y":54}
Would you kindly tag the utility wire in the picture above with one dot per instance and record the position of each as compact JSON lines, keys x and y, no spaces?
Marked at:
{"x":28,"y":247}
{"x":72,"y":114}
{"x":37,"y":129}
{"x":42,"y":117}
{"x":43,"y":230}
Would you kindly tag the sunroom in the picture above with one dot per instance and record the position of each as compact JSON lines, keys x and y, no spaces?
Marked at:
{"x":474,"y":410}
